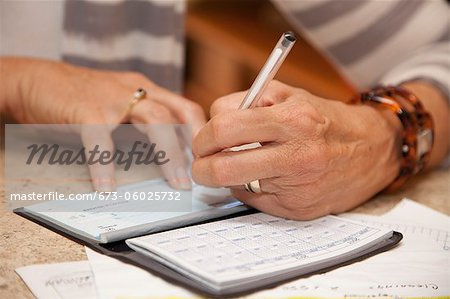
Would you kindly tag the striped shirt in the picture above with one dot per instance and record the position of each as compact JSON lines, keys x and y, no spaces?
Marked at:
{"x":369,"y":41}
{"x":144,"y":36}
{"x":378,"y":41}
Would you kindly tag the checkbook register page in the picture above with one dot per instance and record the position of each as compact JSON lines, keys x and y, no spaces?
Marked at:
{"x":247,"y":252}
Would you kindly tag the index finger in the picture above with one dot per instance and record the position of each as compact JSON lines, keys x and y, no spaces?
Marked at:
{"x":275,"y":93}
{"x":174,"y":164}
{"x":237,"y":128}
{"x":98,"y":138}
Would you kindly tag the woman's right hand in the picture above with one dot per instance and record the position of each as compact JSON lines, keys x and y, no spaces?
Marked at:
{"x":318,"y":156}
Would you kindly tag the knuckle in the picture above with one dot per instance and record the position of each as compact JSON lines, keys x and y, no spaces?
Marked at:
{"x":302,"y":93}
{"x":226,"y":103}
{"x":198,"y":171}
{"x":218,"y":106}
{"x":267,"y":99}
{"x":219,"y":126}
{"x":160,"y":113}
{"x":302,"y":116}
{"x":276,"y":93}
{"x":220,"y":171}
{"x":309,"y":110}
{"x":193,"y":108}
{"x":277,"y":85}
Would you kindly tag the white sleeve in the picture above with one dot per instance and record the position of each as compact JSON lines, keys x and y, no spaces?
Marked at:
{"x":430,"y":63}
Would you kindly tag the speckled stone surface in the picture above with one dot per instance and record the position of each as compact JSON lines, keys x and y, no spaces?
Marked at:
{"x":24,"y":243}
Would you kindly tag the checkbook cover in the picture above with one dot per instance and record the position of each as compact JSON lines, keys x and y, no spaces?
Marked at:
{"x":122,"y":252}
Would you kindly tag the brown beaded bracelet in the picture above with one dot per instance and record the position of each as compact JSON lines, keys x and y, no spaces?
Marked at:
{"x":418,"y":128}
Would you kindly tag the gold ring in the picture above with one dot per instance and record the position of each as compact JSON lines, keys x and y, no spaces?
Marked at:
{"x":253,"y":187}
{"x":138,"y":95}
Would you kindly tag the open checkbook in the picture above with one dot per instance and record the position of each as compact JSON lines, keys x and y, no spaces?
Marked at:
{"x":231,"y":256}
{"x":243,"y":253}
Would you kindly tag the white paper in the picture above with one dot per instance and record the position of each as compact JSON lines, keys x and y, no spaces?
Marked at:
{"x":412,"y":219}
{"x":115,"y":279}
{"x":414,"y":268}
{"x":417,"y":267}
{"x":410,"y":211}
{"x":70,"y":280}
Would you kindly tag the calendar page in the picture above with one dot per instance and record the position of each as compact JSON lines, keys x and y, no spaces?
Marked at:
{"x":255,"y":246}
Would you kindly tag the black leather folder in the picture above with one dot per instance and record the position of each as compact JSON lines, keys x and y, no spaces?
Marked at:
{"x":122,"y":252}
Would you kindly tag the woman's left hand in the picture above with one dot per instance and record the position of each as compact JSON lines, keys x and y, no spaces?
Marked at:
{"x":318,"y":156}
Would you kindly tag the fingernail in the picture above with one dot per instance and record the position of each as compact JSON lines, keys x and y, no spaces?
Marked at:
{"x":182,"y":180}
{"x":104,"y":185}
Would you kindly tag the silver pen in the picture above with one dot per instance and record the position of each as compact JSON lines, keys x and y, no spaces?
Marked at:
{"x":266,"y":74}
{"x":269,"y":69}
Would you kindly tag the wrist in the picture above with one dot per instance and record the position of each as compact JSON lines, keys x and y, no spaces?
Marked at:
{"x":8,"y":83}
{"x":15,"y":74}
{"x":435,"y":102}
{"x":371,"y":143}
{"x":24,"y":79}
{"x":417,"y":132}
{"x":385,"y":131}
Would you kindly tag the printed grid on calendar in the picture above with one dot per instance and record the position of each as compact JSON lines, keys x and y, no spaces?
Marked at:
{"x":257,"y":241}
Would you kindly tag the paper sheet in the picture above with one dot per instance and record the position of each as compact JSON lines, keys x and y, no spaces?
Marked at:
{"x":415,"y":268}
{"x":438,"y":235}
{"x":115,"y":279}
{"x":72,"y":280}
{"x":412,"y":219}
{"x":410,"y":211}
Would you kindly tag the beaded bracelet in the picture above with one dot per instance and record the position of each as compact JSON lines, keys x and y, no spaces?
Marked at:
{"x":418,"y":128}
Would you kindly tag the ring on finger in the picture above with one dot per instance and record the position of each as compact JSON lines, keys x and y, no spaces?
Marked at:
{"x":138,"y":95}
{"x":253,"y":187}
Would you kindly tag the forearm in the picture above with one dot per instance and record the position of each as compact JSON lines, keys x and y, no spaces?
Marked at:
{"x":15,"y":73}
{"x":28,"y":88}
{"x":386,"y":140}
{"x":436,"y":104}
